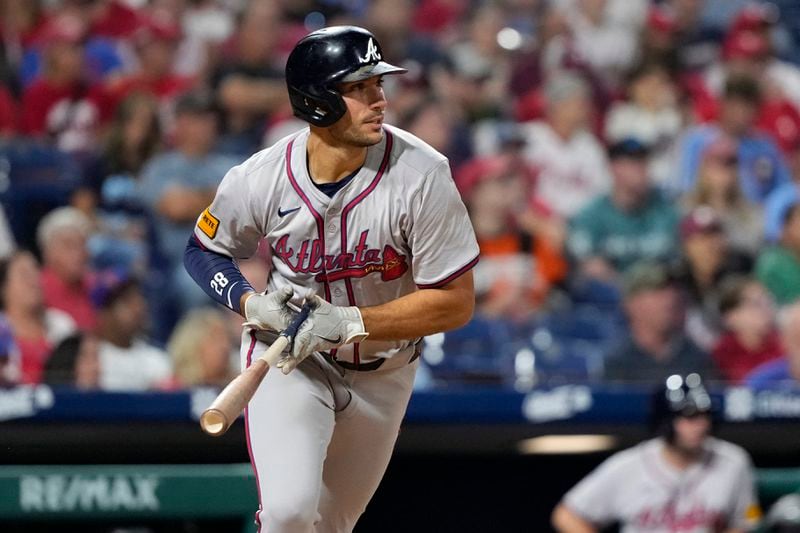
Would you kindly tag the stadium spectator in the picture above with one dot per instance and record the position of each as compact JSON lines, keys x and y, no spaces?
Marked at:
{"x":36,"y":327}
{"x":21,"y":22}
{"x":650,"y":114}
{"x":706,"y":260}
{"x":718,"y":186}
{"x":633,"y":222}
{"x":683,"y":479}
{"x":249,"y":82}
{"x":134,"y":136}
{"x":520,"y":242}
{"x":62,"y":235}
{"x":750,"y":337}
{"x":747,"y":52}
{"x":749,"y":47}
{"x":604,"y":35}
{"x":391,"y":21}
{"x":778,"y":266}
{"x":202,"y":351}
{"x":784,"y":371}
{"x":568,"y":155}
{"x":56,"y":105}
{"x":206,"y":24}
{"x":74,"y":363}
{"x":430,"y":121}
{"x":656,"y":345}
{"x":127,"y":361}
{"x":155,"y":42}
{"x":124,"y":235}
{"x":696,"y":41}
{"x":479,"y":67}
{"x":102,"y":55}
{"x":761,"y":165}
{"x":177,"y":185}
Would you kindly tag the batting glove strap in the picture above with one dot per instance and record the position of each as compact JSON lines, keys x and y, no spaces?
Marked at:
{"x":327,"y":327}
{"x":269,"y":311}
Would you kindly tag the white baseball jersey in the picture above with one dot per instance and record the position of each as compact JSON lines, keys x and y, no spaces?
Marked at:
{"x":399,"y":224}
{"x":641,"y":490}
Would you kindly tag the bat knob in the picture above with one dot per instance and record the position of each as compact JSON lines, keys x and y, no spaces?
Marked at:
{"x":214,"y":422}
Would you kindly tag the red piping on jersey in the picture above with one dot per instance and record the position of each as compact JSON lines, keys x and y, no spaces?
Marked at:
{"x":314,"y":213}
{"x":452,"y":276}
{"x":351,"y":297}
{"x":202,"y":246}
{"x":247,"y":434}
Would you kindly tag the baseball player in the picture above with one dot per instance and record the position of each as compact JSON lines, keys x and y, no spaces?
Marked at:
{"x":364,"y":220}
{"x":683,"y":481}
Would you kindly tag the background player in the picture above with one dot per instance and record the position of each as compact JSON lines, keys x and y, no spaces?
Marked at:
{"x":366,"y":216}
{"x":684,"y":480}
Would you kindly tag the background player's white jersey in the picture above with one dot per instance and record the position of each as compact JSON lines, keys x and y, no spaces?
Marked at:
{"x":640,"y":489}
{"x":361,"y":247}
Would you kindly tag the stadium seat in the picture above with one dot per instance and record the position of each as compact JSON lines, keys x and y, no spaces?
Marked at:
{"x":481,"y":351}
{"x":34,"y":178}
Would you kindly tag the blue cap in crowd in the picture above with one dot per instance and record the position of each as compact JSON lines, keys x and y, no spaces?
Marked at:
{"x":108,"y":285}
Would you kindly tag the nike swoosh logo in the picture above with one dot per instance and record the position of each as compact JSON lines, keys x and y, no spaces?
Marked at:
{"x":282,"y":213}
{"x":337,"y":340}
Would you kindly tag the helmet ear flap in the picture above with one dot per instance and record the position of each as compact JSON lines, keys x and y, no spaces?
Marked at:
{"x":321,"y":110}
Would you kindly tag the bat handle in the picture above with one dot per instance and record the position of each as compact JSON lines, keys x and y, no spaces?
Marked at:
{"x":273,"y":353}
{"x":229,"y":404}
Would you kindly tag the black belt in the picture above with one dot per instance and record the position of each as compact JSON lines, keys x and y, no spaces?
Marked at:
{"x":368,"y":367}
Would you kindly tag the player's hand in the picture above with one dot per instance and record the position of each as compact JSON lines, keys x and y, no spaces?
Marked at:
{"x":327,"y":326}
{"x":269,"y":311}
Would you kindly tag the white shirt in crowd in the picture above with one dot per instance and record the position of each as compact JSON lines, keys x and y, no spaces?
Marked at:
{"x":138,"y":368}
{"x":571,"y":171}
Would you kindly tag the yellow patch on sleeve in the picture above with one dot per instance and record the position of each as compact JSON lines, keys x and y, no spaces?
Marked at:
{"x":753,"y":513}
{"x":208,"y":224}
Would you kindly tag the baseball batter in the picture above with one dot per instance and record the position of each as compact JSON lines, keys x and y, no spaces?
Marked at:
{"x":684,"y":481}
{"x":365,"y":217}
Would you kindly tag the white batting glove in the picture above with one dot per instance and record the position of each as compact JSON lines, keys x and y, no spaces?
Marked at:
{"x":328,"y":326}
{"x":269,"y":311}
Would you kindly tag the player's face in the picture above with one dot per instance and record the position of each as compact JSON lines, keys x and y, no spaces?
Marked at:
{"x":691,"y":432}
{"x":362,"y":125}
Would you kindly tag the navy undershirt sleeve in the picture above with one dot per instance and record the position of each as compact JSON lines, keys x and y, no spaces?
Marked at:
{"x":217,"y":274}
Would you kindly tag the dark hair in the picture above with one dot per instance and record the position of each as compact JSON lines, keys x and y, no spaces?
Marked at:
{"x":118,"y":161}
{"x":742,"y":87}
{"x":789,"y":213}
{"x":60,"y":366}
{"x":731,"y":291}
{"x":646,"y":67}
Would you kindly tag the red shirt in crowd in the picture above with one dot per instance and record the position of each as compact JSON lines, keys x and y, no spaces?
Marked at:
{"x":8,"y":113}
{"x":33,"y":355}
{"x":735,"y":361}
{"x":40,"y":98}
{"x":164,"y":89}
{"x":73,"y":300}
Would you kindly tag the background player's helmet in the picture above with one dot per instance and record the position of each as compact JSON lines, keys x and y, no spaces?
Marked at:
{"x":680,"y":396}
{"x":324,"y":58}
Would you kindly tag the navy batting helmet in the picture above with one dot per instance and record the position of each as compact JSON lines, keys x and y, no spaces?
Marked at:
{"x":680,"y":396}
{"x":325,"y":58}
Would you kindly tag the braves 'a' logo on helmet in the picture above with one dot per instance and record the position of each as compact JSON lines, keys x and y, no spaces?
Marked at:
{"x":372,"y":53}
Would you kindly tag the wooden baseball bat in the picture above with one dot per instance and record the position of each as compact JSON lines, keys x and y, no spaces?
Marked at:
{"x":228,"y":405}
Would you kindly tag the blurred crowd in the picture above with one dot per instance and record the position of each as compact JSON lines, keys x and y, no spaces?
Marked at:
{"x":631,"y":168}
